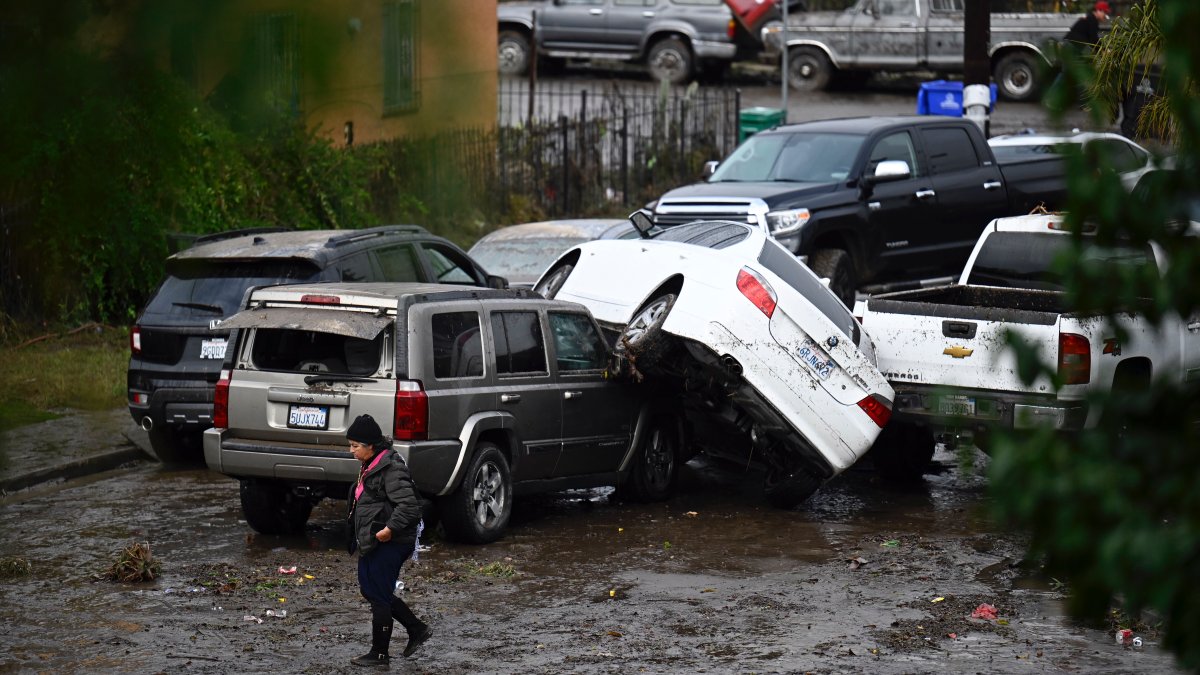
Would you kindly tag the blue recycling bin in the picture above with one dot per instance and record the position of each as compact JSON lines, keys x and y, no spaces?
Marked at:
{"x":945,"y":97}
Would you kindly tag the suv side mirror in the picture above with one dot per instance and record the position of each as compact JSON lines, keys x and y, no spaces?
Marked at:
{"x":642,"y":222}
{"x":710,"y":167}
{"x":496,"y":281}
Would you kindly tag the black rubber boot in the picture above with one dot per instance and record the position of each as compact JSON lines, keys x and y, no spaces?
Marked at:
{"x":381,"y":636}
{"x":418,"y":631}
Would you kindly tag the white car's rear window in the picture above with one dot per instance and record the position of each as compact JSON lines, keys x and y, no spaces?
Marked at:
{"x":785,"y":265}
{"x":714,"y":234}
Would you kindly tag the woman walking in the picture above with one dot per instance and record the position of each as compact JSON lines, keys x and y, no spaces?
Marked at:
{"x":384,"y":516}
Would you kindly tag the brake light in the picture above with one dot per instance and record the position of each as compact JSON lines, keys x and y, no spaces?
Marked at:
{"x":732,"y":32}
{"x":320,"y":299}
{"x":221,"y":401}
{"x":757,"y":290}
{"x":411,"y":414}
{"x":135,"y":340}
{"x":1074,"y":359}
{"x":878,"y":408}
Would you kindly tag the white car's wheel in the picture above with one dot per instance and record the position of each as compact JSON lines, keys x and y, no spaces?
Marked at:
{"x":643,"y":337}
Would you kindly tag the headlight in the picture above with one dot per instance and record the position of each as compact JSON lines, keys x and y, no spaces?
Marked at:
{"x":787,"y":222}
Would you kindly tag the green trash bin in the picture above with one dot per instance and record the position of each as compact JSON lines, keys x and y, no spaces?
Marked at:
{"x":753,"y":120}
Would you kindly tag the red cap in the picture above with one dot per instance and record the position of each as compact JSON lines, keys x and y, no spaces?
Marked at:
{"x":1103,"y":7}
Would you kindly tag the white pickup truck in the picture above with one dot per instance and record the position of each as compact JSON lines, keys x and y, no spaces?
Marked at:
{"x":943,"y":349}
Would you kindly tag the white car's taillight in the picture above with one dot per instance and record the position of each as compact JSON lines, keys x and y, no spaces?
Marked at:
{"x":757,"y":290}
{"x":410,"y":419}
{"x":877,"y":408}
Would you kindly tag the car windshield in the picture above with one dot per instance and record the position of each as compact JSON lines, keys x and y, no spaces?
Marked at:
{"x":1028,"y":260}
{"x":207,"y":290}
{"x":521,"y":260}
{"x":714,"y":234}
{"x":803,"y":157}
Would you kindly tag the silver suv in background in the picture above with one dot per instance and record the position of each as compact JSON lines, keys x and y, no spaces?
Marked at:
{"x":486,"y":393}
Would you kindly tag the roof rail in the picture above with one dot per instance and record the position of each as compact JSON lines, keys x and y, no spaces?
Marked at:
{"x":357,"y":235}
{"x":244,"y":232}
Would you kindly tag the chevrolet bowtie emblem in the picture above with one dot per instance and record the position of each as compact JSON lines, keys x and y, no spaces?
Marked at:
{"x":958,"y":352}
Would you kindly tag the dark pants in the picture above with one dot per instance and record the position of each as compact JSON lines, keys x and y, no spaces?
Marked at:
{"x":377,"y":573}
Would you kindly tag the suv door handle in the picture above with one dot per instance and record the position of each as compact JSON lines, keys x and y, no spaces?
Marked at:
{"x":991,"y":185}
{"x":924,"y":194}
{"x":572,"y":394}
{"x":510,"y":398}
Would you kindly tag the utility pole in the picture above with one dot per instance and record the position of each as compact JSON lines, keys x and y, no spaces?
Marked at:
{"x":977,"y":95}
{"x":783,"y":38}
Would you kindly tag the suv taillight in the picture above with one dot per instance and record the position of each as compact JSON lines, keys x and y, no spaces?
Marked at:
{"x":757,"y":290}
{"x":877,"y":408}
{"x":411,"y":414}
{"x":732,"y":30}
{"x":221,"y":401}
{"x":135,"y":340}
{"x":1074,"y":359}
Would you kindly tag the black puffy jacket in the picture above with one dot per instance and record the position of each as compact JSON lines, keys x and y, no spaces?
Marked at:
{"x":389,"y":499}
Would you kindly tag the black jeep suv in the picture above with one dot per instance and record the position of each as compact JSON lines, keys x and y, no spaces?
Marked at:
{"x":177,"y":344}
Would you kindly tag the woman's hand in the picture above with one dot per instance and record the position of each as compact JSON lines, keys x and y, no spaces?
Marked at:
{"x":385,"y":534}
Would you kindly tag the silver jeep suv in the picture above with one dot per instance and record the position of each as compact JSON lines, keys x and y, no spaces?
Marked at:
{"x":486,"y":392}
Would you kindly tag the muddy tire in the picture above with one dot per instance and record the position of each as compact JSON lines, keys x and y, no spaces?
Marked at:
{"x":835,"y":264}
{"x":655,"y":463}
{"x":549,"y":285}
{"x":902,"y":452}
{"x":478,"y":511}
{"x":643,"y":337}
{"x":514,"y":53}
{"x":272,"y":508}
{"x":787,"y":489}
{"x":808,"y":69}
{"x":176,"y":448}
{"x":1016,"y":77}
{"x":671,"y":60}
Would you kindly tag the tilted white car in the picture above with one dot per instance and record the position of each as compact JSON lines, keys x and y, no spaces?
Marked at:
{"x":770,"y":364}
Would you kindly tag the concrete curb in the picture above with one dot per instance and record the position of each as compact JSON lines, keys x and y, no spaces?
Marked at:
{"x":74,"y":469}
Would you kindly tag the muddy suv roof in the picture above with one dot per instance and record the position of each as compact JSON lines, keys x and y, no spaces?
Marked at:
{"x":486,"y":393}
{"x":178,"y":343}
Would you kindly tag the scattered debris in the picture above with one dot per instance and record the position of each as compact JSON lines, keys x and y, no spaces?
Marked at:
{"x":691,"y":514}
{"x":12,"y":567}
{"x":278,"y":613}
{"x":1124,"y":636}
{"x":287,"y":570}
{"x":133,"y":564}
{"x":251,"y":618}
{"x":891,"y":543}
{"x":856,"y":563}
{"x":938,"y":599}
{"x":984,"y":611}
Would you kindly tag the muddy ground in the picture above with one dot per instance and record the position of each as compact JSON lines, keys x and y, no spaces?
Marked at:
{"x":863,"y":578}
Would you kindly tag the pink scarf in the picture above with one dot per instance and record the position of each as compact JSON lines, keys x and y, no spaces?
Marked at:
{"x":359,"y":490}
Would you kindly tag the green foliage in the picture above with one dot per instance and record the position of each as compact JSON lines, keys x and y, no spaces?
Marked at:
{"x":1114,"y":510}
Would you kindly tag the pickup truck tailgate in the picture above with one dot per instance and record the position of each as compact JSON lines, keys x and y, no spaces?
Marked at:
{"x":955,"y":346}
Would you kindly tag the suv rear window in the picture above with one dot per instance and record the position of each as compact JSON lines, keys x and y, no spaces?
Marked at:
{"x":309,"y":351}
{"x":457,"y":345}
{"x":210,"y":290}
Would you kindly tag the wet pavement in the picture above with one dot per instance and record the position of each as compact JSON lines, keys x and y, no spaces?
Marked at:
{"x":863,"y":578}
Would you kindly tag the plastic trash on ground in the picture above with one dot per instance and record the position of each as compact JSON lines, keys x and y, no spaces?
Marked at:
{"x":984,"y":611}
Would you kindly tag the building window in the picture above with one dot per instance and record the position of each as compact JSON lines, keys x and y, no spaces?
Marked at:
{"x":276,"y":61}
{"x":400,"y":91}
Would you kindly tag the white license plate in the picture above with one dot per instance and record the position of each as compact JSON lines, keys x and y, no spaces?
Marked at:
{"x":816,"y":359}
{"x":956,"y":405}
{"x":308,"y":417}
{"x":212,"y":349}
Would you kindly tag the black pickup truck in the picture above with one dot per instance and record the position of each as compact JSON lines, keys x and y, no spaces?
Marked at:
{"x":870,"y":198}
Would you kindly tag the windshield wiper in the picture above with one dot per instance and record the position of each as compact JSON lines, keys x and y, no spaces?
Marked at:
{"x":326,"y":377}
{"x":200,"y":305}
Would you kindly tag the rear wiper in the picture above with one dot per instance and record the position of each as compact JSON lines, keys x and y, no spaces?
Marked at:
{"x":326,"y":377}
{"x":200,"y":305}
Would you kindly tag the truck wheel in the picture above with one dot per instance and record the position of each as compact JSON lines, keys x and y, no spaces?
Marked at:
{"x":808,"y":69}
{"x":643,"y":337}
{"x":902,"y":452}
{"x":553,"y":282}
{"x":478,"y":511}
{"x":835,"y":264}
{"x":786,"y":489}
{"x":514,"y":53}
{"x":173,"y":447}
{"x":655,"y":463}
{"x":272,"y":508}
{"x":671,"y":60}
{"x":1016,"y":76}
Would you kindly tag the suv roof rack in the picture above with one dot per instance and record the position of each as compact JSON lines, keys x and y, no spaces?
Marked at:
{"x":230,"y":234}
{"x":358,"y":235}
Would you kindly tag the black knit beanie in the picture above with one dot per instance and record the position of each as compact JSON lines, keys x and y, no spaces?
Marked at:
{"x":364,"y":430}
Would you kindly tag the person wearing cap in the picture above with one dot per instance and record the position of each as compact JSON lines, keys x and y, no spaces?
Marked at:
{"x":385,"y":514}
{"x":1085,"y":32}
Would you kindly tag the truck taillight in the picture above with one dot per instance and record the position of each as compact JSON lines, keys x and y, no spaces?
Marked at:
{"x":757,"y":290}
{"x":1074,"y":359}
{"x":135,"y":340}
{"x":878,"y":408}
{"x":411,"y":414}
{"x":221,"y":401}
{"x":732,"y":30}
